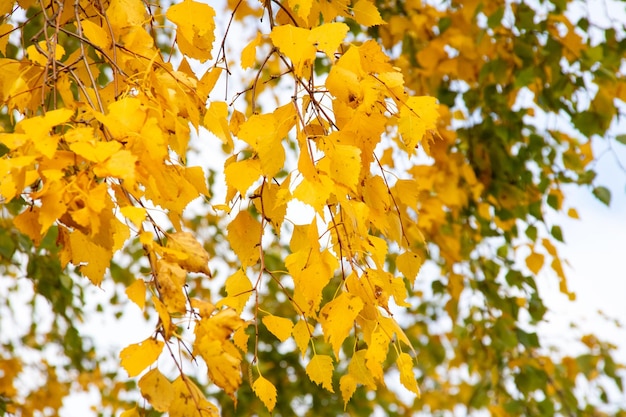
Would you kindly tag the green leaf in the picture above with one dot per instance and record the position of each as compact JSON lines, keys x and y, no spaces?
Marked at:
{"x":557,"y":233}
{"x":621,"y":139}
{"x":603,"y":194}
{"x":531,"y":232}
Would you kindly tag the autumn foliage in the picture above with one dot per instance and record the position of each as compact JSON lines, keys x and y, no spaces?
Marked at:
{"x":265,"y":181}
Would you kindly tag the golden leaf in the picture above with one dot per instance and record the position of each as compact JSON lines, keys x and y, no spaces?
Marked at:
{"x":138,"y":356}
{"x":407,"y":376}
{"x":95,"y":151}
{"x":266,"y":391}
{"x":376,"y":353}
{"x":215,"y":121}
{"x":195,"y":28}
{"x":137,"y":215}
{"x":164,"y":316}
{"x":366,"y":13}
{"x":96,"y":34}
{"x":320,"y":370}
{"x":359,"y":371}
{"x":124,"y":14}
{"x":328,"y":36}
{"x":5,"y":30}
{"x":132,"y":412}
{"x":248,"y":54}
{"x":187,"y":252}
{"x":157,"y":389}
{"x":337,"y":319}
{"x":240,"y":338}
{"x":417,"y":115}
{"x":238,"y":291}
{"x":301,"y":8}
{"x":302,"y":335}
{"x":240,"y":175}
{"x":347,"y":385}
{"x":136,"y":292}
{"x":300,"y":45}
{"x":171,"y":279}
{"x":189,"y":401}
{"x":278,"y":326}
{"x":534,"y":262}
{"x":92,"y":258}
{"x":223,"y":359}
{"x":244,"y":235}
{"x":293,"y":42}
{"x":409,"y":264}
{"x":344,"y":165}
{"x":40,"y":59}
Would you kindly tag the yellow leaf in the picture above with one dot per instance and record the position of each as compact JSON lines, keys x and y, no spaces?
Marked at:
{"x":124,"y":14}
{"x":320,"y":371}
{"x":208,"y":81}
{"x":301,"y":8}
{"x":377,"y":247}
{"x":358,"y":370}
{"x":189,"y":401}
{"x":5,"y":29}
{"x":273,"y":202}
{"x":573,"y":213}
{"x":242,"y":174}
{"x":294,"y":43}
{"x":337,"y":319}
{"x":195,"y":28}
{"x":409,"y":264}
{"x":311,"y":272}
{"x":138,"y":356}
{"x":126,"y":115}
{"x":376,"y":354}
{"x":534,"y":261}
{"x":133,"y":412}
{"x":27,"y":222}
{"x":302,"y":335}
{"x":136,"y":292}
{"x":38,"y":129}
{"x":278,"y":326}
{"x":157,"y":389}
{"x":96,"y":34}
{"x":374,"y":60}
{"x":171,"y":279}
{"x":215,"y":121}
{"x":264,"y":133}
{"x":366,"y":13}
{"x":204,"y":308}
{"x":240,"y":338}
{"x":37,"y":57}
{"x":347,"y":385}
{"x":248,"y":55}
{"x":266,"y":391}
{"x":345,"y":164}
{"x":407,"y":376}
{"x":328,"y":36}
{"x":188,"y":252}
{"x":213,"y":344}
{"x":417,"y":115}
{"x":93,"y":258}
{"x":195,"y":177}
{"x":345,"y":85}
{"x":164,"y":316}
{"x":120,"y":165}
{"x":52,"y":205}
{"x":244,"y":235}
{"x":137,"y":215}
{"x":238,"y":290}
